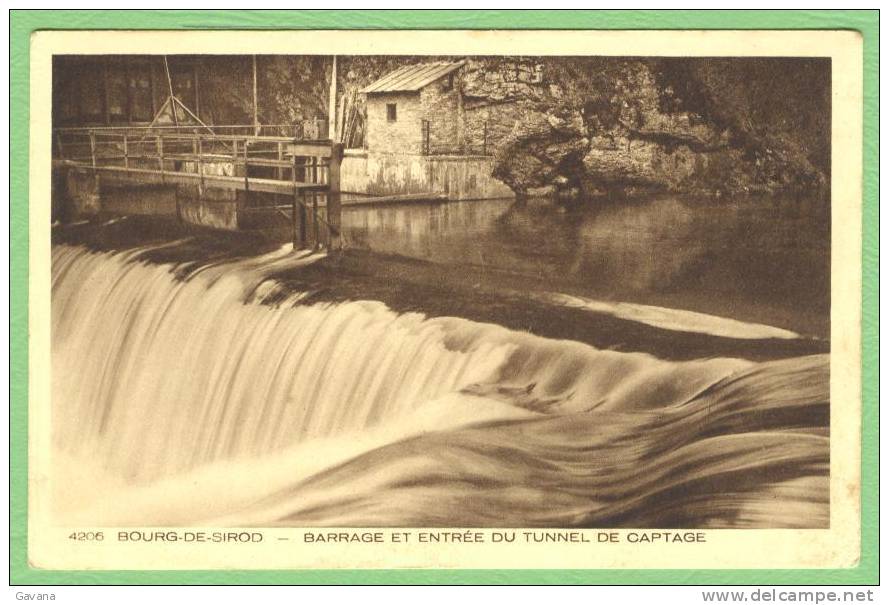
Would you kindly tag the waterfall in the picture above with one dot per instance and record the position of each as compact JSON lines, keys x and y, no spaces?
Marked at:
{"x":213,"y":396}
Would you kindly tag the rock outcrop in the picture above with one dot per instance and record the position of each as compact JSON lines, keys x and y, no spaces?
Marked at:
{"x":622,"y":126}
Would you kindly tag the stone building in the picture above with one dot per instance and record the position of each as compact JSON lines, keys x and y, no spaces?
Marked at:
{"x":416,"y":109}
{"x":416,"y":142}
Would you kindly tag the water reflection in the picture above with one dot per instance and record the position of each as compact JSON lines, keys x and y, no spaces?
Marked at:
{"x":757,"y":260}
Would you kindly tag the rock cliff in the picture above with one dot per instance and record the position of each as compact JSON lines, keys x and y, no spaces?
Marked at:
{"x":630,"y":125}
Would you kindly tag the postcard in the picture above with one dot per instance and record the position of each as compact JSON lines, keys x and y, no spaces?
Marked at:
{"x":445,"y":300}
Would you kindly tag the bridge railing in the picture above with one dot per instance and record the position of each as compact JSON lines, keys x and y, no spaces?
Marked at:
{"x":316,"y":129}
{"x":167,"y":151}
{"x":194,"y":155}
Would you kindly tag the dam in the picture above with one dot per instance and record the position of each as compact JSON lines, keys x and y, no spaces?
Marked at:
{"x":332,"y":315}
{"x":369,"y":391}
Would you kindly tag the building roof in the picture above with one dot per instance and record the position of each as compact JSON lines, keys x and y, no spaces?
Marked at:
{"x":411,"y":78}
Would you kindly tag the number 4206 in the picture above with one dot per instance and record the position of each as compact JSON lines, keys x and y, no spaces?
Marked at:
{"x":95,"y":536}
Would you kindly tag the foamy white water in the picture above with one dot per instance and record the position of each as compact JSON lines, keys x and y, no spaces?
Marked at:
{"x":192,"y":400}
{"x":675,"y":319}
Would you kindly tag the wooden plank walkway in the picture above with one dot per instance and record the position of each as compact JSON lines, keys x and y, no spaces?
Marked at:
{"x":288,"y":166}
{"x":175,"y":177}
{"x":183,"y":157}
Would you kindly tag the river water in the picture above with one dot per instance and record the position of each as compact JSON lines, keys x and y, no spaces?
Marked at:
{"x":195,"y":383}
{"x":757,"y":260}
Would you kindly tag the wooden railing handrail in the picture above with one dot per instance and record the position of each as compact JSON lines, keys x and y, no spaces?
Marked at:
{"x":154,"y":155}
{"x":168,"y":127}
{"x":241,"y":129}
{"x":187,"y":137}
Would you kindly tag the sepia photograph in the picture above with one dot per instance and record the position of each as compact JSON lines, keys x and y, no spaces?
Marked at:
{"x":335,"y":301}
{"x":451,"y":291}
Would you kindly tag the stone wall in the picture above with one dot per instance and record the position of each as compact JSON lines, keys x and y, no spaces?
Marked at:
{"x":459,"y":177}
{"x":441,"y":106}
{"x":83,"y":192}
{"x":499,"y":95}
{"x":404,"y":134}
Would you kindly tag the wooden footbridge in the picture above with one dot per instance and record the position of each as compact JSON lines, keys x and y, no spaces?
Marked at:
{"x":228,"y":158}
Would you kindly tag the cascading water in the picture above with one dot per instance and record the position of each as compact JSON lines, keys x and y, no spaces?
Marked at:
{"x":211,"y":397}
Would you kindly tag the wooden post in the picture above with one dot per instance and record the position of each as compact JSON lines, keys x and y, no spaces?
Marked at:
{"x":313,"y":178}
{"x":341,"y":116}
{"x":59,"y":143}
{"x":126,"y":153}
{"x":303,"y":221}
{"x":294,"y":217}
{"x":334,"y":209}
{"x":279,"y":171}
{"x":315,"y":227}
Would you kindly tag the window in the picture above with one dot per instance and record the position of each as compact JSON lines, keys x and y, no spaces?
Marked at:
{"x":92,"y":94}
{"x":391,"y":112}
{"x":141,"y":109}
{"x":447,"y":84}
{"x":116,"y":95}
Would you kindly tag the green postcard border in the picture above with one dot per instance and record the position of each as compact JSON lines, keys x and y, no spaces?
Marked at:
{"x":23,"y":23}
